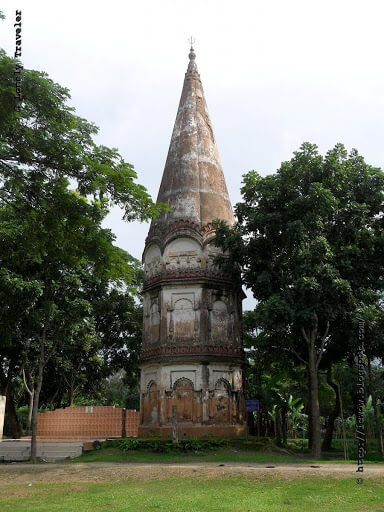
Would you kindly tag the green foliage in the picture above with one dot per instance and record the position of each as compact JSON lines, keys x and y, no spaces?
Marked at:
{"x":310,"y":242}
{"x":161,"y":445}
{"x":115,"y":389}
{"x":96,"y":445}
{"x":46,"y":138}
{"x":191,"y":444}
{"x":127,"y":445}
{"x":275,"y":381}
{"x":65,"y":288}
{"x":22,"y":413}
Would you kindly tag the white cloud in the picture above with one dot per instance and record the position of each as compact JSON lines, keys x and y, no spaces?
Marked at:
{"x":275,"y":74}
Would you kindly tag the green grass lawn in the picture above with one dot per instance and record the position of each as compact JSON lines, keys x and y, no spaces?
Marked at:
{"x":225,"y":454}
{"x":232,"y":494}
{"x":219,"y":455}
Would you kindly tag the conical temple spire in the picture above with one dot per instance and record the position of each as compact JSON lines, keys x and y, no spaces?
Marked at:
{"x":193,"y":182}
{"x":192,"y":352}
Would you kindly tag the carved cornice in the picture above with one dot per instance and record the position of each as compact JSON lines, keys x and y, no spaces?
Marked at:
{"x":162,"y":231}
{"x":178,"y":351}
{"x":186,"y":274}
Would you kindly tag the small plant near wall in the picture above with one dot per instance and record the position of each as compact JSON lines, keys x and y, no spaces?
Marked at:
{"x":157,"y":445}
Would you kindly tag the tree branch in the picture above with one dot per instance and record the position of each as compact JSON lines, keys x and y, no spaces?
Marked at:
{"x":322,"y":345}
{"x":49,"y":355}
{"x":25,"y":384}
{"x":291,"y":349}
{"x":305,"y":335}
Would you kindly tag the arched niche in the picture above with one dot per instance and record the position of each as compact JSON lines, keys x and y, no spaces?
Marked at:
{"x":183,"y":318}
{"x":154,"y":321}
{"x":152,"y":260}
{"x":182,"y":253}
{"x":150,"y":404}
{"x":222,"y":388}
{"x":183,"y":399}
{"x":183,"y":386}
{"x":219,"y":321}
{"x":152,"y":388}
{"x":222,"y":402}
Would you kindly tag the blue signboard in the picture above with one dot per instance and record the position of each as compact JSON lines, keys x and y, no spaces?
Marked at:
{"x":252,"y":405}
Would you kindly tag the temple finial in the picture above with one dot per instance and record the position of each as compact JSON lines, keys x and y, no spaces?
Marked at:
{"x":192,"y":41}
{"x":192,"y":56}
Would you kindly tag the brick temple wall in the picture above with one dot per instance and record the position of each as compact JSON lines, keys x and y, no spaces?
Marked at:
{"x":86,"y":423}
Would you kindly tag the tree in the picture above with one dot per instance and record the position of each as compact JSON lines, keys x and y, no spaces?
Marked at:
{"x":310,"y":242}
{"x":72,"y":246}
{"x":18,"y":294}
{"x":273,"y":380}
{"x":115,"y":346}
{"x":45,"y":140}
{"x":53,"y":239}
{"x":80,"y":370}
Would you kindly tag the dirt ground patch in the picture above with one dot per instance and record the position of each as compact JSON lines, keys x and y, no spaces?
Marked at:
{"x":109,"y":471}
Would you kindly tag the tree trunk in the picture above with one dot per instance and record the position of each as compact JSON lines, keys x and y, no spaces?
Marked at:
{"x":53,"y":404}
{"x":35,"y":409}
{"x":10,"y":409}
{"x":278,"y":426}
{"x":378,"y":427}
{"x":309,"y":412}
{"x":327,"y":443}
{"x":251,"y":423}
{"x":30,"y":409}
{"x":71,"y":395}
{"x":314,"y":401}
{"x":377,"y":421}
{"x":175,"y":436}
{"x":263,"y":425}
{"x":284,"y":425}
{"x":258,"y":423}
{"x":31,"y":392}
{"x":123,"y":422}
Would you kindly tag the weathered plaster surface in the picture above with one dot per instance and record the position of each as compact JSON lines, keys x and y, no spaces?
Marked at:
{"x":204,"y":393}
{"x":193,"y":181}
{"x":192,"y":354}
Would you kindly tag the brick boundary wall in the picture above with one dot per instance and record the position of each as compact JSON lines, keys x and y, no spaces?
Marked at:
{"x":86,"y":423}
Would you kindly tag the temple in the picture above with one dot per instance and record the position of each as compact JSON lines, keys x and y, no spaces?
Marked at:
{"x":192,"y":354}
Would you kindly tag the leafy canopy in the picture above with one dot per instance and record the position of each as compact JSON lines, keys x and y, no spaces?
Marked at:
{"x":45,"y":141}
{"x":57,"y":262}
{"x":310,"y":242}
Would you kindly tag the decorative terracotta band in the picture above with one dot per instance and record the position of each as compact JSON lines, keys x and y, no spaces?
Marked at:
{"x":172,"y":275}
{"x":163,"y":232}
{"x":192,"y":349}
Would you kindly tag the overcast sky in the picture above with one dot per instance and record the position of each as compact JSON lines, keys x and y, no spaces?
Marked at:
{"x":275,"y":73}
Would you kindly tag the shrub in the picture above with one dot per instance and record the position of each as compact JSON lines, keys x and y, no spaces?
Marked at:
{"x":161,"y":445}
{"x":192,"y":444}
{"x":96,"y":445}
{"x":128,"y":444}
